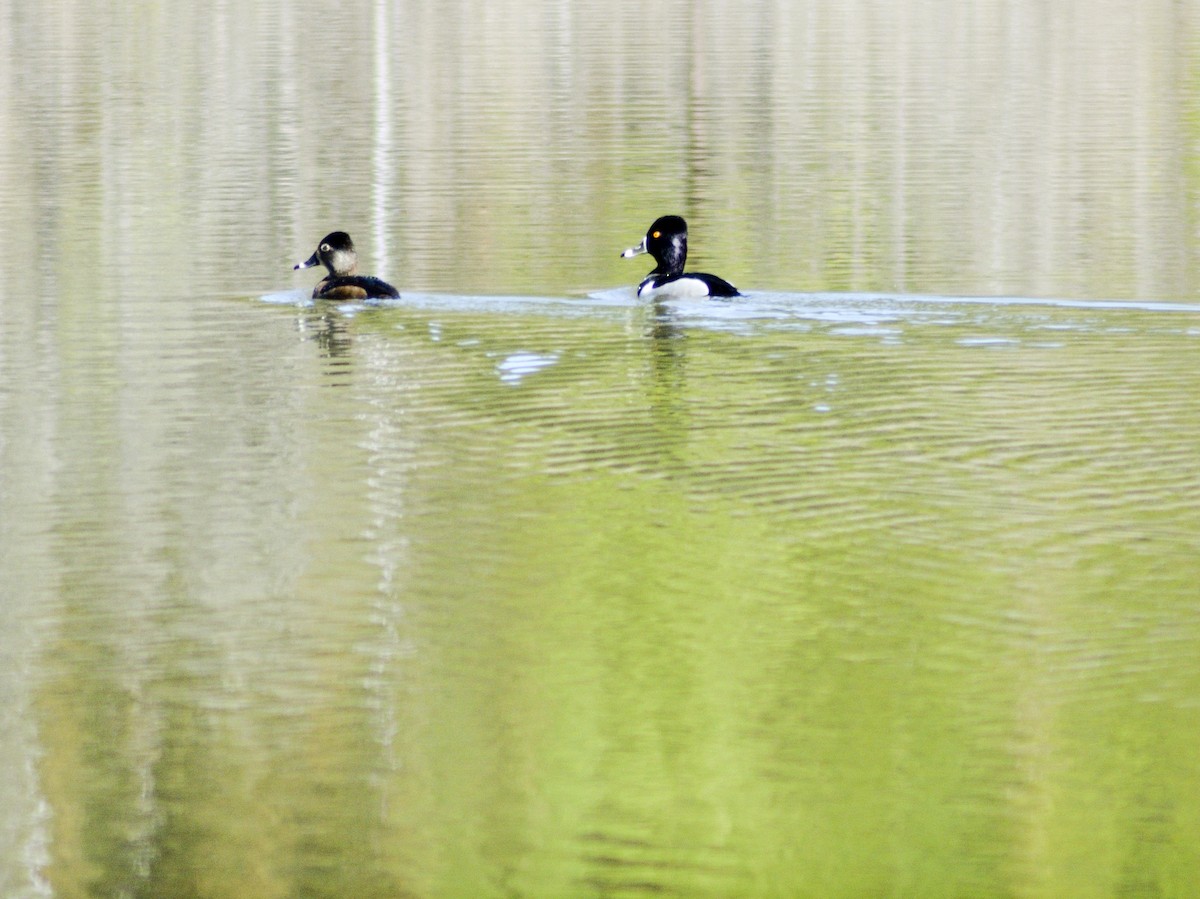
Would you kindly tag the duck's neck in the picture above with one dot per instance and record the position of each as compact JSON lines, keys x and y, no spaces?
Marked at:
{"x":342,"y":265}
{"x":674,"y":254}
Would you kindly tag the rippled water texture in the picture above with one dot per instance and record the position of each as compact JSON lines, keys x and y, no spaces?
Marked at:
{"x":882,"y":580}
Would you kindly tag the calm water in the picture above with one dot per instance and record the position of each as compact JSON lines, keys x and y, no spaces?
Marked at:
{"x":881,"y":581}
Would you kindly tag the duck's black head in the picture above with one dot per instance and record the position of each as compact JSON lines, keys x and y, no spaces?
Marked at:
{"x":666,"y":241}
{"x":336,"y":253}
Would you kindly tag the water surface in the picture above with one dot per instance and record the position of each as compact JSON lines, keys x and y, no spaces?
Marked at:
{"x":879,"y":580}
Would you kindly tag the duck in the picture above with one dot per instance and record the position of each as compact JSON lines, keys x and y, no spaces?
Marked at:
{"x":336,"y":252}
{"x":666,"y":241}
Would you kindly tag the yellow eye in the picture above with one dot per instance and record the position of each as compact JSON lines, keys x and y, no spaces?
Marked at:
{"x":656,"y":234}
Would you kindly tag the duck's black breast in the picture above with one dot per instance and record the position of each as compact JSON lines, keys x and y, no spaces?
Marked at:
{"x":354,"y":287}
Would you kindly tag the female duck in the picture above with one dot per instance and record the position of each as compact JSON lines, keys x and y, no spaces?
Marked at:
{"x":336,"y":253}
{"x":666,"y":241}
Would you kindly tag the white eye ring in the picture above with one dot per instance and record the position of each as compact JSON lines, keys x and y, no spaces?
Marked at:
{"x":325,"y":248}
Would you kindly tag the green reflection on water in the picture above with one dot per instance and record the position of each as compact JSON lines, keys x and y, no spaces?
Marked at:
{"x":848,"y":600}
{"x":683,"y":610}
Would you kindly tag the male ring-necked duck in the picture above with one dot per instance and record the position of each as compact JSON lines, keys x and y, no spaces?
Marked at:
{"x":666,"y":241}
{"x":336,"y":253}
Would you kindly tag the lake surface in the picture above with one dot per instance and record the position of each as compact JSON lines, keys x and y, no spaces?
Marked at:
{"x":882,"y":580}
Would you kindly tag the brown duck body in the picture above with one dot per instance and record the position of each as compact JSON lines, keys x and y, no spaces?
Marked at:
{"x":336,"y":252}
{"x":353,"y":287}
